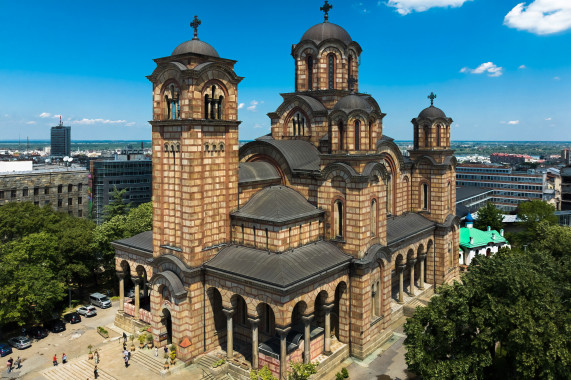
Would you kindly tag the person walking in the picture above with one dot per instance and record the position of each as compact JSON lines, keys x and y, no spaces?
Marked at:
{"x":124,"y":338}
{"x":126,"y":361}
{"x":55,"y":360}
{"x":156,"y":352}
{"x":95,"y":373}
{"x":96,"y":357}
{"x":63,"y":358}
{"x":9,"y":364}
{"x":18,"y":363}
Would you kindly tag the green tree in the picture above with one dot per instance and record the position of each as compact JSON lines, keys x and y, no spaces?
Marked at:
{"x":489,"y":215}
{"x":117,"y":205}
{"x":513,"y":300}
{"x":301,"y":371}
{"x":262,"y":374}
{"x":532,"y":212}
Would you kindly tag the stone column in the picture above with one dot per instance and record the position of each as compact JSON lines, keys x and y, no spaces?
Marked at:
{"x":307,"y":338}
{"x":283,"y":331}
{"x":327,"y":332}
{"x":411,"y":262}
{"x":229,"y":333}
{"x":422,"y":258}
{"x":145,"y":287}
{"x":400,"y":269}
{"x":137,"y":282}
{"x":121,"y":277}
{"x":255,"y":322}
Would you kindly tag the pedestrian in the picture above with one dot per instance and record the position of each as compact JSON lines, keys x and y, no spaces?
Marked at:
{"x":95,"y":372}
{"x":166,"y":350}
{"x":124,"y":338}
{"x":156,"y":352}
{"x":55,"y":360}
{"x":126,"y":361}
{"x":129,"y":355}
{"x":63,"y":358}
{"x":96,"y":356}
{"x":10,"y":364}
{"x":18,"y":363}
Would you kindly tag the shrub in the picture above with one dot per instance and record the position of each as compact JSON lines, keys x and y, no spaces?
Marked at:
{"x":345,"y":373}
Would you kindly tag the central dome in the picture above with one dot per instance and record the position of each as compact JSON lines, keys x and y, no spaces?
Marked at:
{"x":197,"y":47}
{"x":353,"y":102}
{"x":324,"y":31}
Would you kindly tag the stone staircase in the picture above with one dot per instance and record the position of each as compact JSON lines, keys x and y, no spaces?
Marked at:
{"x":205,"y":362}
{"x":79,"y":369}
{"x":149,"y":362}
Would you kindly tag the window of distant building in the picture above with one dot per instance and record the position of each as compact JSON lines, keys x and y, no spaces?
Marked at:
{"x":69,"y":201}
{"x":79,"y":186}
{"x":1,"y":194}
{"x":59,"y":189}
{"x":80,"y":213}
{"x":69,"y":188}
{"x":25,"y":192}
{"x":79,"y":200}
{"x":60,"y":202}
{"x":13,"y":194}
{"x":36,"y":191}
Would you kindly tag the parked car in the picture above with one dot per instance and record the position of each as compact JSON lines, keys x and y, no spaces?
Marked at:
{"x":55,"y":325}
{"x":5,"y":349}
{"x":20,"y":342}
{"x":37,"y":332}
{"x":72,"y":318}
{"x":87,"y":311}
{"x":100,"y":300}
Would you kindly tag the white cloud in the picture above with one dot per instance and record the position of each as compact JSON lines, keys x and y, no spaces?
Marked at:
{"x":97,"y":121}
{"x":240,"y":106}
{"x":254,"y":105}
{"x":43,"y":115}
{"x":405,"y":7}
{"x":31,"y":122}
{"x":540,"y":16}
{"x":488,"y":67}
{"x":522,"y":67}
{"x":130,"y":124}
{"x":513,"y":122}
{"x":556,"y":78}
{"x":547,"y":118}
{"x":56,"y":116}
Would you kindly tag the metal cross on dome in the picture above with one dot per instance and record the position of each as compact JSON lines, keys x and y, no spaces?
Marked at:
{"x":195,"y":24}
{"x":326,"y":8}
{"x":432,"y":96}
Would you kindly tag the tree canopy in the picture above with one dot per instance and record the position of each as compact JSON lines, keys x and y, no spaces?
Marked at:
{"x":510,"y":318}
{"x":535,"y":211}
{"x":117,"y":205}
{"x":489,"y":215}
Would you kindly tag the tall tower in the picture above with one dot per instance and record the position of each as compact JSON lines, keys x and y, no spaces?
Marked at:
{"x":195,"y":151}
{"x":60,"y":140}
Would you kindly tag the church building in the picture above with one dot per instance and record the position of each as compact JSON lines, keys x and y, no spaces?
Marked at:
{"x":303,"y":245}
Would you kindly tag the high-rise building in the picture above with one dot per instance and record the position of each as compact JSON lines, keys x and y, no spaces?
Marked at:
{"x":130,"y":170}
{"x":60,"y":140}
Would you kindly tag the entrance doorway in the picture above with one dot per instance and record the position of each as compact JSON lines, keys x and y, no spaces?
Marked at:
{"x":167,"y":321}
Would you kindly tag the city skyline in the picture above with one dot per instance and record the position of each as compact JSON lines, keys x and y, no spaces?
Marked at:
{"x":498,"y":69}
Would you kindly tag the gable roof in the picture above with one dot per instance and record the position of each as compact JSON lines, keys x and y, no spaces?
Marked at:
{"x":280,"y":270}
{"x":480,"y":238}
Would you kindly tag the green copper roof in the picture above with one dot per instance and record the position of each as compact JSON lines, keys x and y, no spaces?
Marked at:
{"x":481,"y":238}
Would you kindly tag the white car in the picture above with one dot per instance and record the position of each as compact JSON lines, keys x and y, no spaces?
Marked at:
{"x":20,"y":342}
{"x":88,"y":311}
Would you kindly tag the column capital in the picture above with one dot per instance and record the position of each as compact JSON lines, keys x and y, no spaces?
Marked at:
{"x":136,"y":280}
{"x":329,"y":307}
{"x":120,"y":274}
{"x":412,"y":261}
{"x":283,"y":331}
{"x":401,"y":267}
{"x":422,"y":256}
{"x":228,"y":312}
{"x":254,"y":321}
{"x":307,"y":318}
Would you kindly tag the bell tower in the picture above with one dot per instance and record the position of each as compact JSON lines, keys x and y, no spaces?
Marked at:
{"x":195,"y":150}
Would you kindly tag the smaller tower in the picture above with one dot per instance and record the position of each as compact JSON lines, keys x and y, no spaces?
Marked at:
{"x":432,"y":128}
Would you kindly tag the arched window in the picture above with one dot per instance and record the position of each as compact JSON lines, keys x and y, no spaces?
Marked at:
{"x":350,"y":67}
{"x":450,"y":254}
{"x":331,"y":71}
{"x":426,"y":134}
{"x":214,"y":103}
{"x":406,"y":192}
{"x":254,"y":231}
{"x":298,"y":123}
{"x":242,"y":226}
{"x":267,"y":239}
{"x":389,"y":195}
{"x":438,"y":135}
{"x":172,"y":102}
{"x":338,"y":219}
{"x":425,"y":196}
{"x":310,"y":73}
{"x":357,"y":133}
{"x":206,"y":105}
{"x":448,"y":196}
{"x":341,"y":136}
{"x":371,"y":142}
{"x":220,"y":101}
{"x":374,"y":217}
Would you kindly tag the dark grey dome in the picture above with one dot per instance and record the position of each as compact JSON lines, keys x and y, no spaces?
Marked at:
{"x":353,"y":102}
{"x":324,"y":31}
{"x":195,"y":46}
{"x":432,"y":113}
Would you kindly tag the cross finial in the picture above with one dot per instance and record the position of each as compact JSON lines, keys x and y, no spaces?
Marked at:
{"x":326,"y":8}
{"x":195,"y":24}
{"x":352,"y":82}
{"x":432,"y":96}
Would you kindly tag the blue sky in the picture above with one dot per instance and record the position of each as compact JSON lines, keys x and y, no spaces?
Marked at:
{"x":500,"y":68}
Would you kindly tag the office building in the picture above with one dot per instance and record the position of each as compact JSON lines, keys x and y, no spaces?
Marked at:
{"x":60,"y":140}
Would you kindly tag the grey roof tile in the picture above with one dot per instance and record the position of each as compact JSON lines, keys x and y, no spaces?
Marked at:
{"x":279,"y":269}
{"x":299,"y":154}
{"x":277,"y":204}
{"x":257,"y":171}
{"x":406,"y":225}
{"x":142,"y":241}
